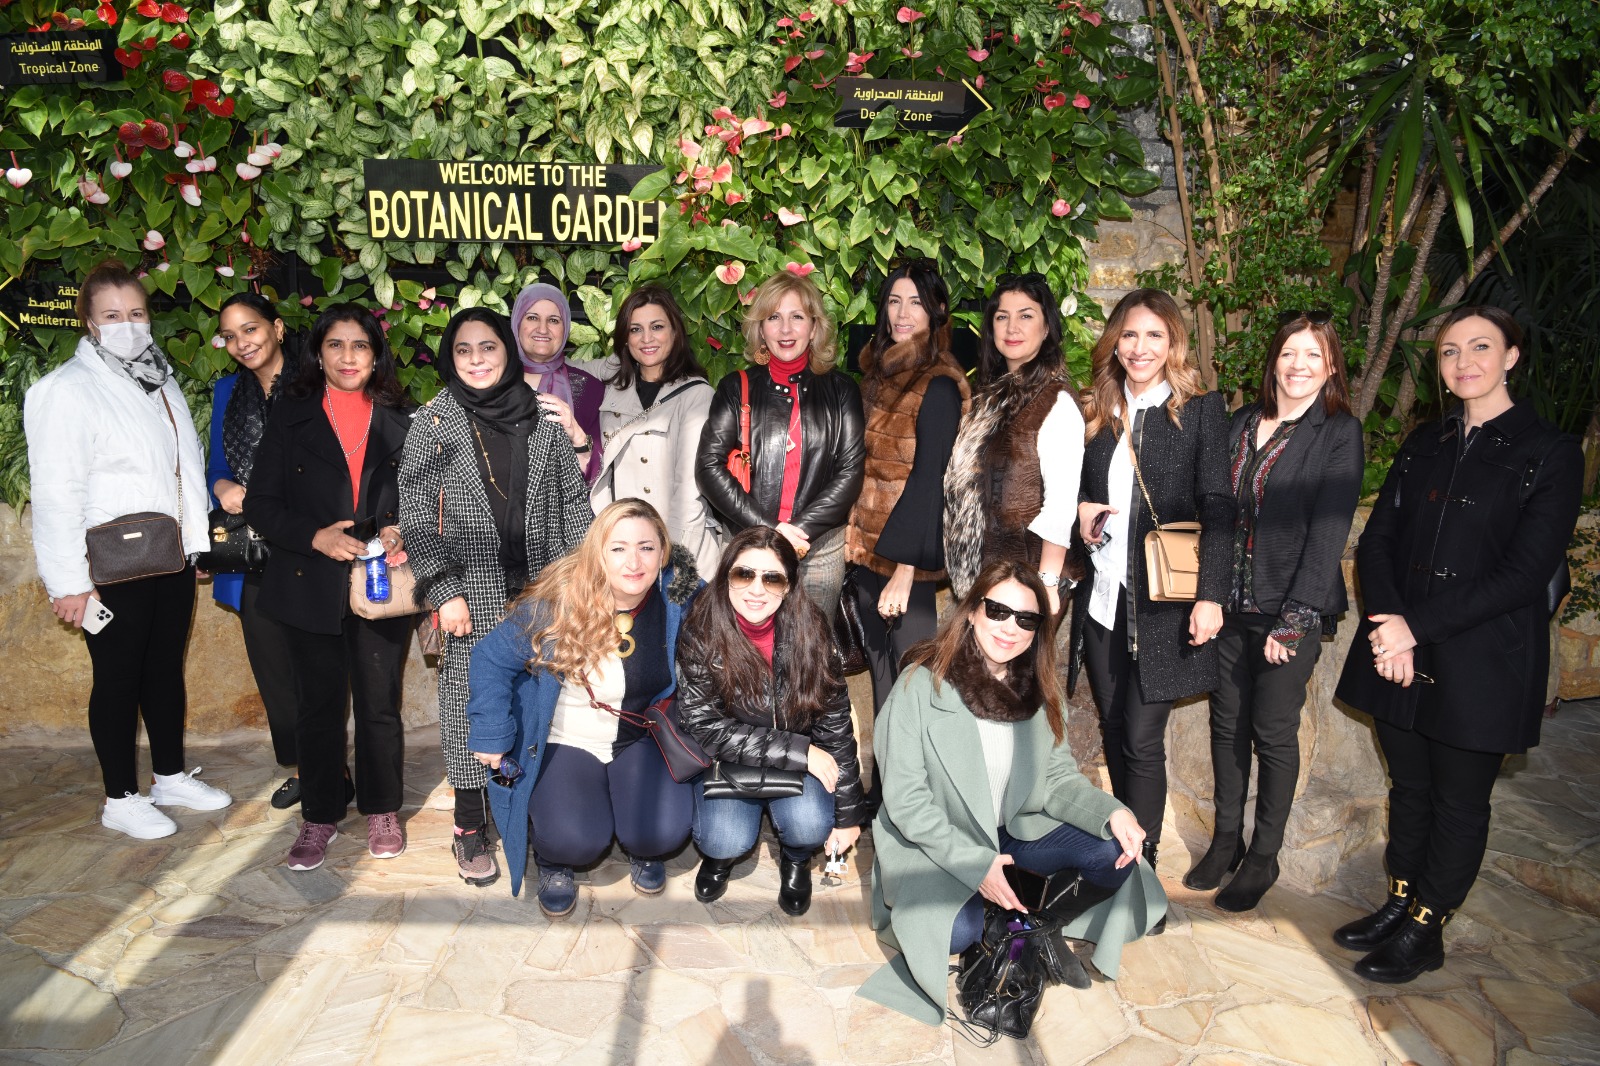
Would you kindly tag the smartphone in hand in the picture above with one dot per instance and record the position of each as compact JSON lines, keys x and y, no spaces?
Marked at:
{"x":96,"y":616}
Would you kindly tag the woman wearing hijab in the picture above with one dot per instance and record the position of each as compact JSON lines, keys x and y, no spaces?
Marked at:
{"x":490,"y":493}
{"x":109,"y":435}
{"x":541,"y":320}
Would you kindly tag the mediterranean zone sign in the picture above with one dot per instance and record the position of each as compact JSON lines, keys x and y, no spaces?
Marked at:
{"x":516,"y":203}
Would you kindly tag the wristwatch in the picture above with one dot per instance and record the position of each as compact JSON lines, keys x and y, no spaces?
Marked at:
{"x":1049,"y":581}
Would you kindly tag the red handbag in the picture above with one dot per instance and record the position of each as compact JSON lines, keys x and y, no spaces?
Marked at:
{"x":739,"y":458}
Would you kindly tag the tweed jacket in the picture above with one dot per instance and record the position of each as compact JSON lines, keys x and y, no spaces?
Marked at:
{"x":1310,"y":498}
{"x":1462,"y":544}
{"x":512,"y":706}
{"x":936,"y":837}
{"x":1186,"y":472}
{"x":301,"y":484}
{"x":650,"y":455}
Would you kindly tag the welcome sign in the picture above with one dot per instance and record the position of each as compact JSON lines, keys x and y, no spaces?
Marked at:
{"x":41,"y":58}
{"x":519,"y":203}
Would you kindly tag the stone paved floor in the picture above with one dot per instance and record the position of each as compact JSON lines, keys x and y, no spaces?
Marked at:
{"x":202,"y":948}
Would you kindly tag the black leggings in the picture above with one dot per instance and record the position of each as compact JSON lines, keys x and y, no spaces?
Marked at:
{"x":1133,"y":730}
{"x":1438,"y":813}
{"x":138,"y":672}
{"x":579,"y":803}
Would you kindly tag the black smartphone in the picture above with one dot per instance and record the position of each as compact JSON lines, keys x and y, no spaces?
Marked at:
{"x":1029,"y":886}
{"x":1098,"y":525}
{"x":364,"y":529}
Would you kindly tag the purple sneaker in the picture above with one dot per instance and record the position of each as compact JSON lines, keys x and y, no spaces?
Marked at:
{"x":385,"y":838}
{"x":311,"y":846}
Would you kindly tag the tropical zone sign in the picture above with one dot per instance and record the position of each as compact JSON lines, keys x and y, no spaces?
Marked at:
{"x":514,"y":203}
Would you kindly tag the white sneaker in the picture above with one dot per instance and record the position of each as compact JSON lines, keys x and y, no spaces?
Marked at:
{"x":183,"y":790}
{"x":136,"y":816}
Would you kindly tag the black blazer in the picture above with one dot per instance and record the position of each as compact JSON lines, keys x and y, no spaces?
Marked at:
{"x":1304,"y":523}
{"x":1464,"y":546}
{"x":301,"y":484}
{"x":1186,"y":471}
{"x":833,"y":452}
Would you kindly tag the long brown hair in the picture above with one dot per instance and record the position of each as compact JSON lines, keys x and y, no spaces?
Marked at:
{"x":956,"y":632}
{"x":1104,"y":394}
{"x":579,"y":629}
{"x":680,"y":361}
{"x":1335,"y":391}
{"x":805,"y":640}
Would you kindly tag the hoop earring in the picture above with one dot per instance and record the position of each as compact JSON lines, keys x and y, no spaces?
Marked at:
{"x":763,"y":356}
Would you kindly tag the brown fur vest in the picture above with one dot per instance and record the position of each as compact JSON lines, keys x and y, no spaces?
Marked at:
{"x":892,"y":389}
{"x":993,"y":487}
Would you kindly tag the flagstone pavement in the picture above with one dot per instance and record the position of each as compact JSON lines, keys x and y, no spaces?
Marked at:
{"x":203,"y":948}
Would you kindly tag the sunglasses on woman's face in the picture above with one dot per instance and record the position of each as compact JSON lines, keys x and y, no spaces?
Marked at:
{"x":774,"y":581}
{"x":1028,"y":621}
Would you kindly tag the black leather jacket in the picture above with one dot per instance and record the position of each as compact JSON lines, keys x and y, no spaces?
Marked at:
{"x":755,"y":736}
{"x":833,"y":451}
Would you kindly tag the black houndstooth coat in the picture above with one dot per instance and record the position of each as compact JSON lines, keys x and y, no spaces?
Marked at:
{"x":465,"y":559}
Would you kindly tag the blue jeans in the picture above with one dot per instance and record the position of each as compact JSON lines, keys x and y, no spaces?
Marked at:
{"x":1063,"y":846}
{"x":727,"y":828}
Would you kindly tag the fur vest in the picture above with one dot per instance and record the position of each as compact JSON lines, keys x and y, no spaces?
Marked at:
{"x":993,"y":487}
{"x":892,"y":389}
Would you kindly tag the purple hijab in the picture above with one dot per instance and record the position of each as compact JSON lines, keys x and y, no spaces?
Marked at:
{"x":558,"y":377}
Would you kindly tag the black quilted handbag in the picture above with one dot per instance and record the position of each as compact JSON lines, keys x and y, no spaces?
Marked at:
{"x":235,"y":547}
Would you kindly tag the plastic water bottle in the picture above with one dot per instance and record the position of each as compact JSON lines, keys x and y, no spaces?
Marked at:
{"x":377,"y":572}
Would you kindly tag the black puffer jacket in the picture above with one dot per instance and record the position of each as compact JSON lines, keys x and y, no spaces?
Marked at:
{"x":833,"y":451}
{"x":755,"y":736}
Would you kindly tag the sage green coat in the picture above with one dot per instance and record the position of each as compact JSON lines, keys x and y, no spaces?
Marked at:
{"x":935,"y":837}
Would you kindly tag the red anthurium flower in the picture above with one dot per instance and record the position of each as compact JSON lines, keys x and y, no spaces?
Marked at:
{"x":1092,"y":17}
{"x":175,"y":80}
{"x":799,"y":270}
{"x":221,"y":108}
{"x":908,"y":15}
{"x":714,"y":343}
{"x":1046,"y":85}
{"x":779,"y":100}
{"x":181,"y":41}
{"x":856,"y":62}
{"x":205,"y":89}
{"x":806,"y":16}
{"x":1081,"y":101}
{"x":148,"y":44}
{"x":172,"y":13}
{"x":796,"y":35}
{"x":785,"y":22}
{"x":156,"y":134}
{"x":818,"y":54}
{"x":1054,"y":100}
{"x":790,"y":63}
{"x":150,"y":9}
{"x":107,"y":14}
{"x":127,"y":58}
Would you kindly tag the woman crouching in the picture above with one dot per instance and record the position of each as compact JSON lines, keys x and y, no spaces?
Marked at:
{"x":588,"y":644}
{"x":978,"y":776}
{"x":762,"y":686}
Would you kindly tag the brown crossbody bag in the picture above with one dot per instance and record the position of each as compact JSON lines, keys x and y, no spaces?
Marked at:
{"x":1171,"y":551}
{"x":143,"y":544}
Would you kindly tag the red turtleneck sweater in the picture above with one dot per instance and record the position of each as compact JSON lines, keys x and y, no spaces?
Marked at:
{"x":782,"y":373}
{"x":762,"y":636}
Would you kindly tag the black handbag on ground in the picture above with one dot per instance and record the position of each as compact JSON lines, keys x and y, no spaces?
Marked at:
{"x":235,"y":547}
{"x":1001,"y":978}
{"x":728,"y":780}
{"x":848,"y":634}
{"x":683,"y":755}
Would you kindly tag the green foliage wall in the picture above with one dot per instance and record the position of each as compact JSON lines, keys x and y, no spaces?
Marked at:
{"x":733,"y":98}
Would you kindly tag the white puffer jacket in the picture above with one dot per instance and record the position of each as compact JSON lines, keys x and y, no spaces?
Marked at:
{"x":100,"y":447}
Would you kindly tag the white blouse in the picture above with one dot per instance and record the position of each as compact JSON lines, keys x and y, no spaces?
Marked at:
{"x":1111,"y":562}
{"x":578,"y":725}
{"x":1060,"y":466}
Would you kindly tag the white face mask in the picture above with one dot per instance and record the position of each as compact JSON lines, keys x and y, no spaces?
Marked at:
{"x":125,"y":339}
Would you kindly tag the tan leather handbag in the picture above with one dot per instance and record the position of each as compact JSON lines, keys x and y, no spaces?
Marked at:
{"x":1171,"y":551}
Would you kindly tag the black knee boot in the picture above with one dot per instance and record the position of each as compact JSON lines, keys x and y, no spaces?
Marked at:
{"x":1148,"y":849}
{"x":1417,"y":948}
{"x":1365,"y":934}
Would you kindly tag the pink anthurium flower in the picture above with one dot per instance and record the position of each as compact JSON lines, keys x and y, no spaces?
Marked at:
{"x":91,"y":191}
{"x":733,"y":198}
{"x":730,"y":272}
{"x":702,"y":172}
{"x":1054,"y":100}
{"x":703,"y":185}
{"x":722,"y":173}
{"x":183,"y":150}
{"x":799,"y":270}
{"x":909,"y":54}
{"x":806,"y":16}
{"x":752,"y":126}
{"x":785,"y":22}
{"x":247,"y":171}
{"x":1081,"y":101}
{"x":978,"y":55}
{"x":749,"y":295}
{"x":225,"y":271}
{"x":790,"y":63}
{"x":1092,"y":17}
{"x":258,"y":159}
{"x":1060,"y":209}
{"x":689,"y":149}
{"x":784,"y":130}
{"x":723,"y":114}
{"x":16,"y":175}
{"x":908,"y":15}
{"x":218,"y":342}
{"x":190,"y":193}
{"x":790,"y":218}
{"x":154,"y":241}
{"x":120,"y":169}
{"x":632,"y":245}
{"x":272,"y":149}
{"x":780,"y":99}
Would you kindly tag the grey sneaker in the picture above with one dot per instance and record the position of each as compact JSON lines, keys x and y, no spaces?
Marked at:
{"x":475,"y":860}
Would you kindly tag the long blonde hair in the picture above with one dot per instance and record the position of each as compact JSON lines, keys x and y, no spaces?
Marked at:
{"x":579,"y":629}
{"x":1104,"y":394}
{"x":766,"y":301}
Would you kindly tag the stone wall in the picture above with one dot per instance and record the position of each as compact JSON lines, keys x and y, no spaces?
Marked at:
{"x":1578,"y":650}
{"x":45,"y":674}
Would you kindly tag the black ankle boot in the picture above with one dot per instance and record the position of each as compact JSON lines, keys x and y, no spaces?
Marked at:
{"x":712,"y":880}
{"x":1417,"y":948}
{"x":1223,"y":856}
{"x":1255,"y":876}
{"x":1148,"y":850}
{"x":794,"y":886}
{"x":1366,"y":934}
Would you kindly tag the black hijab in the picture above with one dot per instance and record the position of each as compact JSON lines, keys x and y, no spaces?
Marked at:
{"x":509,"y":406}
